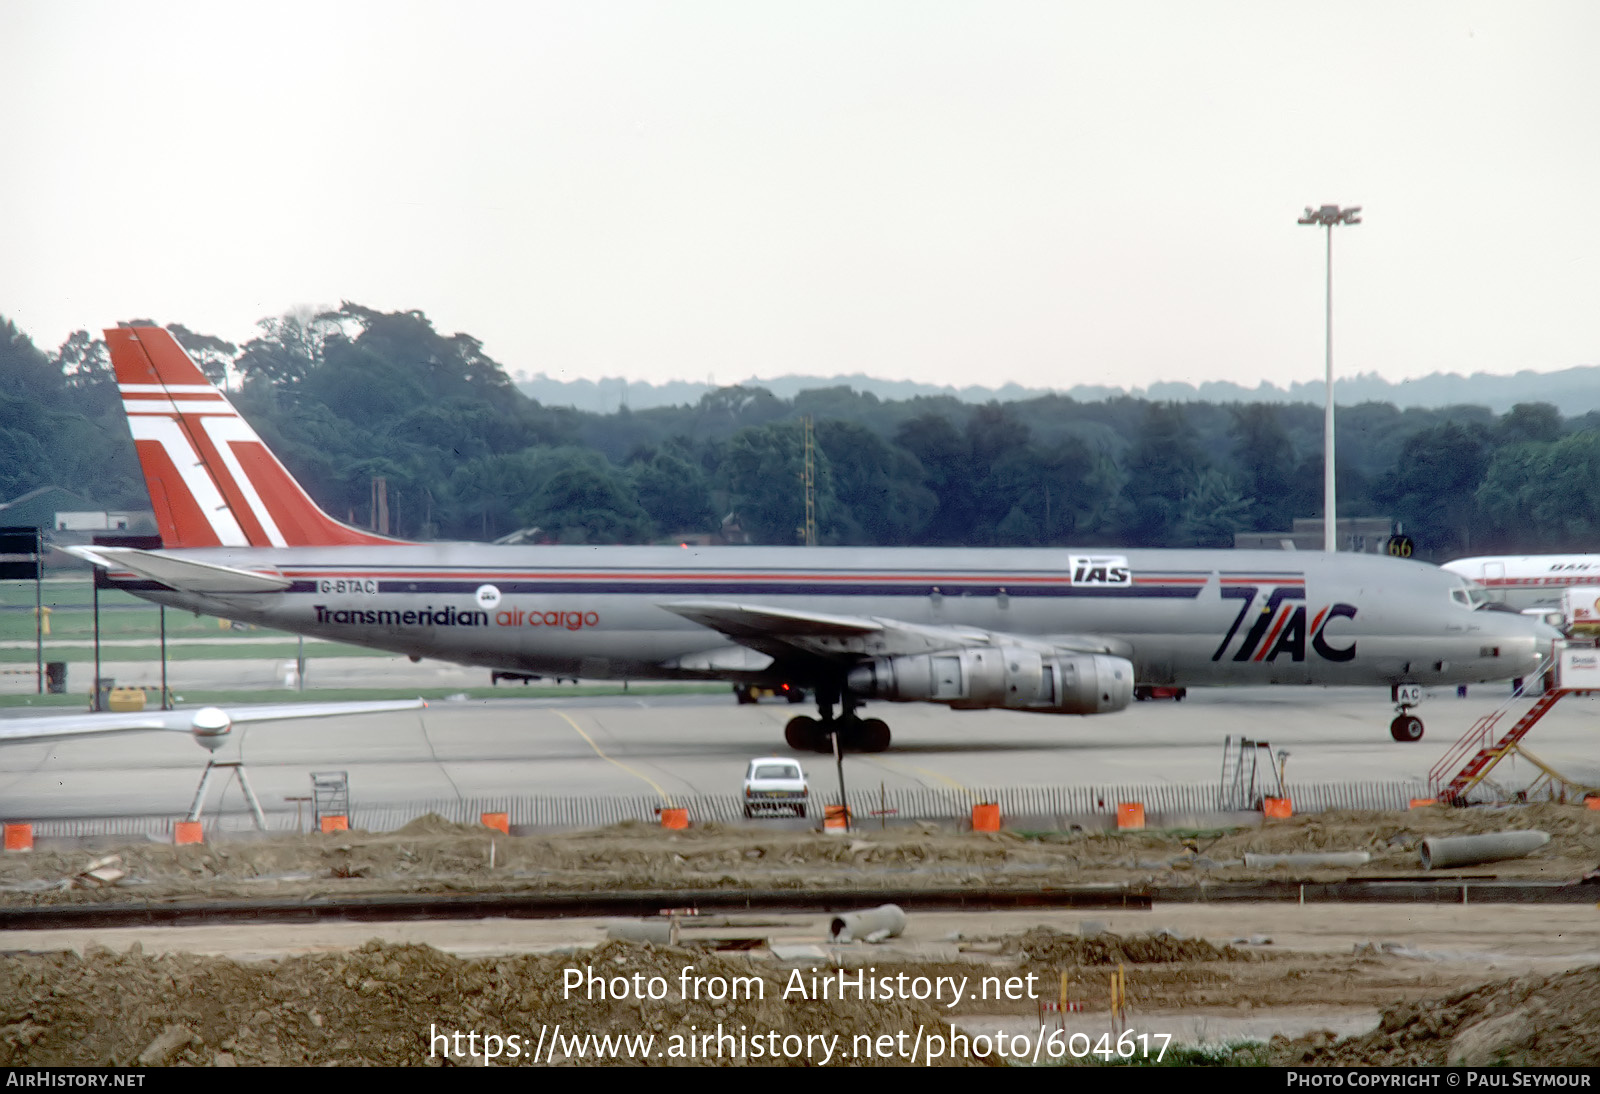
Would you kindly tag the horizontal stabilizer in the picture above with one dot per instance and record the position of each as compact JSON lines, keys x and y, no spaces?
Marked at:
{"x":184,"y":574}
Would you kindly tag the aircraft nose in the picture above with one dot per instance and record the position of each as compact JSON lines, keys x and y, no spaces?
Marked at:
{"x":1527,"y":640}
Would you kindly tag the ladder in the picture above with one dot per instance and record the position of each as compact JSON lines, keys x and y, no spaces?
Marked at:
{"x":330,"y":795}
{"x":1244,"y":782}
{"x":1471,"y":758}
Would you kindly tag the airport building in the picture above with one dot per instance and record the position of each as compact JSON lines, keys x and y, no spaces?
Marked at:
{"x":1362,"y":535}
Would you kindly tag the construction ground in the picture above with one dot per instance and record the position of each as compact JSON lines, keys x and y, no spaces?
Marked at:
{"x":1248,"y":983}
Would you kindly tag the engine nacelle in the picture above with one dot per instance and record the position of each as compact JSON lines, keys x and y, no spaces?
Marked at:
{"x":1009,"y":677}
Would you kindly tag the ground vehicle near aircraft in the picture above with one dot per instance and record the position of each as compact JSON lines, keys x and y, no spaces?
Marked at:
{"x":1056,"y":631}
{"x":775,"y":784}
{"x":525,"y":678}
{"x":754,"y":693}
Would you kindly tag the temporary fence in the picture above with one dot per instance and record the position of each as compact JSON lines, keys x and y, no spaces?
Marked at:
{"x":1034,"y":806}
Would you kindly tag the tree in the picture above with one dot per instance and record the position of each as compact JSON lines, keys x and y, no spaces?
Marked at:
{"x":581,"y":498}
{"x":1162,"y":468}
{"x":1213,"y":510}
{"x":442,"y":367}
{"x":85,"y":362}
{"x":673,"y":490}
{"x":360,"y":385}
{"x":212,"y":354}
{"x":1529,"y":422}
{"x":1433,"y":486}
{"x":947,"y":466}
{"x":288,"y":348}
{"x":1058,"y":489}
{"x":1266,"y":464}
{"x":29,"y":374}
{"x":1544,"y":496}
{"x":878,"y":491}
{"x":763,"y":468}
{"x":22,"y":457}
{"x":486,"y":494}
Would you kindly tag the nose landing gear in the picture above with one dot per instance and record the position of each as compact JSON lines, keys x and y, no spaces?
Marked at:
{"x":1406,"y":726}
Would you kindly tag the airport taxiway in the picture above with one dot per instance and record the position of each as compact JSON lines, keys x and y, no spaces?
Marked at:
{"x":698,"y":744}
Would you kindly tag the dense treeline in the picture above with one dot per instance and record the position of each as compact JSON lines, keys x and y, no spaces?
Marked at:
{"x":344,"y":397}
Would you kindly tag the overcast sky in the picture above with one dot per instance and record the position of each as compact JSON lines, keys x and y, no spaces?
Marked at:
{"x":1050,"y":194}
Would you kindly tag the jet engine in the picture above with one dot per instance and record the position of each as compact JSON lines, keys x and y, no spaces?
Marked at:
{"x":1010,"y":677}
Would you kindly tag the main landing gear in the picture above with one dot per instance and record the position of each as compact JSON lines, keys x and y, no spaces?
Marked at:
{"x":1406,"y":726}
{"x":856,"y":734}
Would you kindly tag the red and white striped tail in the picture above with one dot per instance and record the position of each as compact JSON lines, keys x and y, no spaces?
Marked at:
{"x":212,"y":481}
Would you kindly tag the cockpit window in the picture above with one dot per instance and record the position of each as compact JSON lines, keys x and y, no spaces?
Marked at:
{"x":1469,"y":594}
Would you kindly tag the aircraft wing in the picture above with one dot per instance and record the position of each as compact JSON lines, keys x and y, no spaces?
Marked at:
{"x":785,"y":633}
{"x":759,"y":621}
{"x":184,"y":574}
{"x":47,"y":726}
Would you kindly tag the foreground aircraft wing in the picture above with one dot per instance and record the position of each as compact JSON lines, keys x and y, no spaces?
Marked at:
{"x":46,"y":726}
{"x":784,"y":633}
{"x":183,"y":574}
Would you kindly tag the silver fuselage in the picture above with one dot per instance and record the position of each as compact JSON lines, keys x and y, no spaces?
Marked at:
{"x":1186,"y":617}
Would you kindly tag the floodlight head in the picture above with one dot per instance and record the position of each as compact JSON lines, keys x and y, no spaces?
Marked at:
{"x":1329,"y":215}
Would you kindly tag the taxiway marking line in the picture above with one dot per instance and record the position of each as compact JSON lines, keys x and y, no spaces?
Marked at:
{"x":924,"y":771}
{"x":598,"y":751}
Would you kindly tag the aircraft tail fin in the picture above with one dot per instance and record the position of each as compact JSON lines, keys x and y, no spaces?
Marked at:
{"x":212,"y":481}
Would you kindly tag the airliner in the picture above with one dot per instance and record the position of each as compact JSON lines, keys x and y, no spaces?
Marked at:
{"x":1528,"y":582}
{"x":1052,"y":631}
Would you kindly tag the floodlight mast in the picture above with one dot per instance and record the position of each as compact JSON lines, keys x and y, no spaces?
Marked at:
{"x":1326,"y":217}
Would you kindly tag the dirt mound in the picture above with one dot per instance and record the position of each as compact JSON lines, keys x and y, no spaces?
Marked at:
{"x":432,"y":854}
{"x":432,"y":824}
{"x":1533,"y":1021}
{"x":382,"y":1005}
{"x":1044,"y":946}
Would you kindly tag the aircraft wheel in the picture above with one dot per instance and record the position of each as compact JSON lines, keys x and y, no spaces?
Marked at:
{"x":873,"y":736}
{"x":1406,"y":727}
{"x":802,"y":734}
